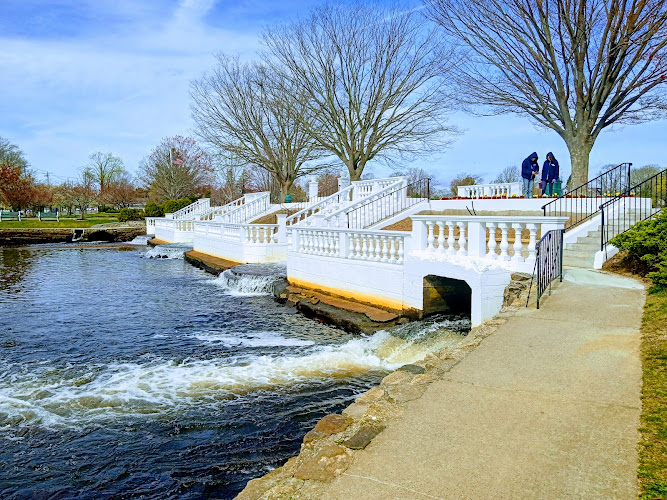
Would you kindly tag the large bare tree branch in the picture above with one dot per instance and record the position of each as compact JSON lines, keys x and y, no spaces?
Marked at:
{"x":256,"y":118}
{"x":374,"y":79}
{"x":575,"y":66}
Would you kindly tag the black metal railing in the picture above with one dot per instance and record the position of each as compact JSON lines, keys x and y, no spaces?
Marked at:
{"x":548,"y":262}
{"x":636,"y":204}
{"x":326,"y":191}
{"x":388,"y":204}
{"x":581,"y":203}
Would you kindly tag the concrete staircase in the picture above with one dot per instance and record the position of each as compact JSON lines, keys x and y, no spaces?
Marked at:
{"x":582,"y":252}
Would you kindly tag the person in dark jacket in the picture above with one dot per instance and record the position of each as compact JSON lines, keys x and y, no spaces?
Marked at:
{"x":550,"y":172}
{"x":529,"y":169}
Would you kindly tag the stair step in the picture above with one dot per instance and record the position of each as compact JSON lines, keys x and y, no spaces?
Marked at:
{"x":584,"y":254}
{"x":578,"y":262}
{"x":592,"y":245}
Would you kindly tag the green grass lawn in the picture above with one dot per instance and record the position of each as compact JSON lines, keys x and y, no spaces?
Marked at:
{"x":653,"y":427}
{"x":66,"y":221}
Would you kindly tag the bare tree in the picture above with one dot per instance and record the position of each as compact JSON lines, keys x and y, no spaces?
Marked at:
{"x":83,"y":193}
{"x":373,"y":78}
{"x":255,"y":117}
{"x":175,"y":168}
{"x":103,"y":169}
{"x":11,"y":154}
{"x":464,"y":179}
{"x":510,"y":173}
{"x":574,"y":66}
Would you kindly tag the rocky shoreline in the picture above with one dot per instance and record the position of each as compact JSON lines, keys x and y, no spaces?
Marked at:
{"x":332,"y":445}
{"x":12,"y":237}
{"x":329,"y":449}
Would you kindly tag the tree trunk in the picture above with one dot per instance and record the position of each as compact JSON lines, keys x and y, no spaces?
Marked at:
{"x":579,"y":156}
{"x":284,"y":188}
{"x":355,"y":173}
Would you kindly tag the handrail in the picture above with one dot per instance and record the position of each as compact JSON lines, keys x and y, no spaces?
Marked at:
{"x":212,"y":211}
{"x":580,"y":203}
{"x":252,"y":207}
{"x":638,"y":205}
{"x":192,"y":208}
{"x":385,"y":203}
{"x":308,"y":211}
{"x":362,"y":195}
{"x":548,"y":262}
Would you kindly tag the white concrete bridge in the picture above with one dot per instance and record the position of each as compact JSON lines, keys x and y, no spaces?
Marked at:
{"x":384,"y":242}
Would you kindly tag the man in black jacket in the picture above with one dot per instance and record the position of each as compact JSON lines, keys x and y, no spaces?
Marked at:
{"x":529,"y":169}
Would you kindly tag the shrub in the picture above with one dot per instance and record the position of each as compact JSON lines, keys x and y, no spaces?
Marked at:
{"x":126,"y":214}
{"x":152,"y":209}
{"x":646,"y":243}
{"x":171,"y":206}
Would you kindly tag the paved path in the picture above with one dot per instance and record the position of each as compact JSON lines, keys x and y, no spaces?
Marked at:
{"x":546,"y":407}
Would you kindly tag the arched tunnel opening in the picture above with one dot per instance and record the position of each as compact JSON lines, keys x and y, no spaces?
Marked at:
{"x":446,"y":296}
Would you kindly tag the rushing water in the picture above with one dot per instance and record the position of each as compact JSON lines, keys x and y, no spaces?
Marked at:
{"x":123,"y":376}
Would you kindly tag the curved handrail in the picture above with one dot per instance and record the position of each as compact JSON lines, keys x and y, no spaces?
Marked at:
{"x":581,"y":202}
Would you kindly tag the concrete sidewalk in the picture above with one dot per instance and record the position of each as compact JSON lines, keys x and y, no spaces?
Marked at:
{"x":546,"y":407}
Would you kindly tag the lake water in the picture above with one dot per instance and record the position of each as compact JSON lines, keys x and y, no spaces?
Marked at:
{"x":126,"y":376}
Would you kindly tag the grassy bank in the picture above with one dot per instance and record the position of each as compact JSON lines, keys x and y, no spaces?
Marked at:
{"x":653,"y":429}
{"x":65,"y":222}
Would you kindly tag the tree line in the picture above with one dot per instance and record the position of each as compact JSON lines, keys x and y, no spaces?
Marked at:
{"x":355,"y":83}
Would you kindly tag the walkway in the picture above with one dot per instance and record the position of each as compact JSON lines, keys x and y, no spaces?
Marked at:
{"x":546,"y":407}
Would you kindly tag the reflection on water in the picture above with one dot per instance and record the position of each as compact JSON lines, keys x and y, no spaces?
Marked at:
{"x":125,"y":376}
{"x":14,"y":264}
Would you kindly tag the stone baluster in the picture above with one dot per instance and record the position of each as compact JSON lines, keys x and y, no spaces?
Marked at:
{"x":531,"y":242}
{"x":504,"y":244}
{"x":462,"y":239}
{"x":401,"y":250}
{"x":451,"y":239}
{"x":491,"y":254}
{"x":376,"y":248}
{"x":441,"y":236}
{"x":357,"y":246}
{"x":392,"y":253}
{"x":518,"y":244}
{"x":384,"y":251}
{"x":430,"y":238}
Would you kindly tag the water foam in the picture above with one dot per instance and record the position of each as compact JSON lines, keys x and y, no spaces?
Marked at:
{"x":52,"y":397}
{"x":167,"y":251}
{"x":141,"y":239}
{"x":251,"y":339}
{"x":246,"y":285}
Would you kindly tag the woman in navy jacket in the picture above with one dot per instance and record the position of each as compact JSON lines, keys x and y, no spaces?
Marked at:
{"x":550,"y":172}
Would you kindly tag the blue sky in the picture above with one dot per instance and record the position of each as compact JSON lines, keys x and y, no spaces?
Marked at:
{"x":80,"y":76}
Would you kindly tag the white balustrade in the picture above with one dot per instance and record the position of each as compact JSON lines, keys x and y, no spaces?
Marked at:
{"x":495,"y":190}
{"x":150,"y":225}
{"x":375,"y":206}
{"x":471,"y":238}
{"x":373,"y":246}
{"x":329,"y":202}
{"x":193,"y":210}
{"x":213,"y":211}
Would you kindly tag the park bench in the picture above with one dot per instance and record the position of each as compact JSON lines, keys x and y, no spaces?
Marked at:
{"x":48,"y":215}
{"x":8,"y":214}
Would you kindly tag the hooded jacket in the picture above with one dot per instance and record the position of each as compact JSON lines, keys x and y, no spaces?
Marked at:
{"x":550,"y":169}
{"x":529,"y":166}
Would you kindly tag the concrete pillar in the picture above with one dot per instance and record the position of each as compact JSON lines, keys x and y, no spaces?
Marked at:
{"x":282,"y":228}
{"x":312,"y":188}
{"x":417,"y":239}
{"x":343,"y":180}
{"x":476,"y":239}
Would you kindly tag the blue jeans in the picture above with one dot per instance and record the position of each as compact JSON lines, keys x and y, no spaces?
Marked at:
{"x":547,"y":188}
{"x":528,"y":187}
